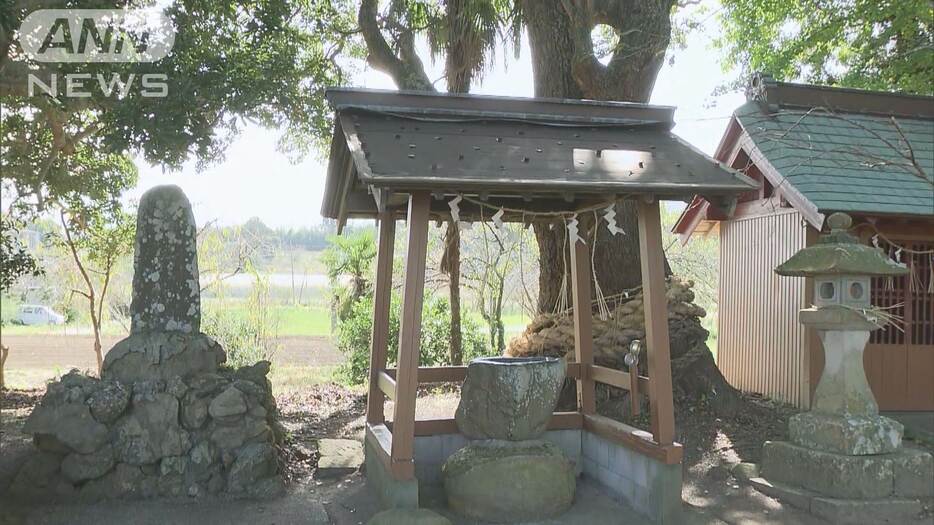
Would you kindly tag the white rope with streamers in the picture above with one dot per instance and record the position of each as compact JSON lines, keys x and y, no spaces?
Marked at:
{"x":572,"y":231}
{"x":609,"y":214}
{"x":603,"y":310}
{"x":498,"y":219}
{"x":455,"y":209}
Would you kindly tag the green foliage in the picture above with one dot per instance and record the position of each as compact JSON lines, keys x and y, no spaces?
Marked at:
{"x":262,"y":61}
{"x":15,"y":261}
{"x":871,"y":44}
{"x":247,"y":336}
{"x":355,"y":330}
{"x":350,"y":258}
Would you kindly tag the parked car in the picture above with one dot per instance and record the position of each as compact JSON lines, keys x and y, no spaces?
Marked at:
{"x":31,"y":314}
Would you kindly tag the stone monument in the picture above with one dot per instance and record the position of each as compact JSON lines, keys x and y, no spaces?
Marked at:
{"x":845,"y":462}
{"x":507,"y":473}
{"x":164,"y":419}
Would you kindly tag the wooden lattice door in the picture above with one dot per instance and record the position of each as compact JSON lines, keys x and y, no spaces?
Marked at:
{"x":900,"y":363}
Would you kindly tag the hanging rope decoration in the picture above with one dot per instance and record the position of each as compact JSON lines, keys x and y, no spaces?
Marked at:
{"x":609,"y":214}
{"x":572,"y":226}
{"x":572,"y":231}
{"x":603,"y":311}
{"x":455,"y":209}
{"x":498,"y":219}
{"x":914,"y":263}
{"x":562,"y":304}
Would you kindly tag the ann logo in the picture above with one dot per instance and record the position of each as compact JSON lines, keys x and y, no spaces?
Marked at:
{"x":97,"y":35}
{"x":60,"y":36}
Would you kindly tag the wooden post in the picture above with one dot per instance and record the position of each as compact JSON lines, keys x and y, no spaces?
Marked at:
{"x":583,"y":326}
{"x":656,"y":322}
{"x":403,"y":421}
{"x":634,"y":398}
{"x":382,"y":291}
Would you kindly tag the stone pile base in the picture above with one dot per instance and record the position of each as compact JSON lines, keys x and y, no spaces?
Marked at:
{"x":509,"y":481}
{"x":881,"y":488}
{"x":210,"y":433}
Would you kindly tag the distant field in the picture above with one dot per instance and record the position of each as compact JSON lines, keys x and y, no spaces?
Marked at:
{"x":293,"y":320}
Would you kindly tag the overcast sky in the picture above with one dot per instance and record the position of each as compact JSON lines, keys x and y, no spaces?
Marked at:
{"x":256,"y":180}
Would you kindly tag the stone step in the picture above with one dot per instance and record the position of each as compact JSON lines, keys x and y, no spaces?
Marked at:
{"x":837,"y":510}
{"x":338,"y":457}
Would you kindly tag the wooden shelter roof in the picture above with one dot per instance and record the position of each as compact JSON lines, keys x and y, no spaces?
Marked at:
{"x":544,"y":154}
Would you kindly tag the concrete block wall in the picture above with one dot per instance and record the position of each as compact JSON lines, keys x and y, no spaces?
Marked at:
{"x":392,"y":493}
{"x":650,"y":487}
{"x":432,"y":451}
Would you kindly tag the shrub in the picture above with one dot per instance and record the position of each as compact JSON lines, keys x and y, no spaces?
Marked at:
{"x":248,"y":335}
{"x":356,"y":328}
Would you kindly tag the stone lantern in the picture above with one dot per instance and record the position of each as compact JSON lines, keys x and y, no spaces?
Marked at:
{"x":842,"y":452}
{"x":844,"y":415}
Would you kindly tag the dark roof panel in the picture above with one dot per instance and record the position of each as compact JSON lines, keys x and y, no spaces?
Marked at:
{"x":512,"y":147}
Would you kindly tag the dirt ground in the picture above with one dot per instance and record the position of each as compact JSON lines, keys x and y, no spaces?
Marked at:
{"x":711,"y":494}
{"x":712,"y":445}
{"x":75,"y":351}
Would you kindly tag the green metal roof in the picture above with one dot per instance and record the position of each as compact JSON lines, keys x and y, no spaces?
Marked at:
{"x":851,"y":162}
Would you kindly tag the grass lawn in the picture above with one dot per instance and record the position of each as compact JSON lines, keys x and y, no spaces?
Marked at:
{"x":293,"y":320}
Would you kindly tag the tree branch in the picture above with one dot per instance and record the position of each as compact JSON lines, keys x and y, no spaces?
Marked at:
{"x":406,"y":70}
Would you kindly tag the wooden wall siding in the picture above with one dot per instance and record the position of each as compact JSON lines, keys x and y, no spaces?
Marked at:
{"x":761,"y":346}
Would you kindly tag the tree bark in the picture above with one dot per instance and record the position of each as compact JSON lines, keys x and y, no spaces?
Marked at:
{"x":564,"y":66}
{"x":451,"y":265}
{"x":4,"y":353}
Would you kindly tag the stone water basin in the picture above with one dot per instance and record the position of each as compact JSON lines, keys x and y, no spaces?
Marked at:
{"x":509,"y":398}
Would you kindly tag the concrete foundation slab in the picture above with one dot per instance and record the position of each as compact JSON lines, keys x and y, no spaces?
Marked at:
{"x":851,"y":435}
{"x":392,"y":493}
{"x":837,"y":510}
{"x":866,"y":512}
{"x":834,"y":475}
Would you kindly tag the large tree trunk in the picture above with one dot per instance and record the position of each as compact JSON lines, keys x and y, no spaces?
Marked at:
{"x":564,"y":66}
{"x":554,"y":38}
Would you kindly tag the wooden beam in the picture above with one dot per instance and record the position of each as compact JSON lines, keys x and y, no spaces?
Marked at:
{"x":656,"y":322}
{"x":453,"y":374}
{"x":631,"y":437}
{"x":382,"y":290}
{"x":617,"y":378}
{"x":387,"y":385}
{"x":635,"y":397}
{"x":410,"y":329}
{"x":583,"y":325}
{"x":434,"y":427}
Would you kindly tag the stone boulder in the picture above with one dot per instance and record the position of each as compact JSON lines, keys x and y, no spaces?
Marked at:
{"x":254,"y":462}
{"x":509,"y":481}
{"x":82,"y":467}
{"x":162,"y":355}
{"x":166,"y":286}
{"x":151,"y":431}
{"x":509,"y":398}
{"x":109,"y":402}
{"x":67,"y":427}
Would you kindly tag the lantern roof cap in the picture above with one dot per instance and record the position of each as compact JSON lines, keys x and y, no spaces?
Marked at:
{"x":839,"y":253}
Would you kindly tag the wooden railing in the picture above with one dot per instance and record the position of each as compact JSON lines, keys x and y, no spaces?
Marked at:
{"x":394,"y":441}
